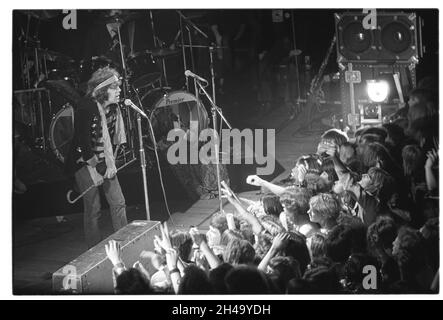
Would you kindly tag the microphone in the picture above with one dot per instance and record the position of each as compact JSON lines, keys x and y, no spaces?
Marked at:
{"x":129,"y":103}
{"x":188,"y":73}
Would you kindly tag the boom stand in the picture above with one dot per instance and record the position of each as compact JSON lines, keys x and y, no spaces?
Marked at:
{"x":143,"y":163}
{"x":214,"y":111}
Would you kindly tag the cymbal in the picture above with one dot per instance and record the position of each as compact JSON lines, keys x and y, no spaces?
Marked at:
{"x":48,"y":54}
{"x":41,"y":14}
{"x":162,"y":52}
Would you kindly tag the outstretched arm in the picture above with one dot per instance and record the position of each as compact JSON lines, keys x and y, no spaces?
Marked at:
{"x":200,"y":241}
{"x":259,"y":182}
{"x":249,"y":217}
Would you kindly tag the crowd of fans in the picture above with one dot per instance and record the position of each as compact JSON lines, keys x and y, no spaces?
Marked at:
{"x":359,"y":216}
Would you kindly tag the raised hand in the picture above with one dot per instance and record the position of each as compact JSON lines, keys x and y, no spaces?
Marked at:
{"x":165,"y":241}
{"x":331,"y":150}
{"x":227,"y":194}
{"x":280,"y":241}
{"x":137,"y":265}
{"x":197,"y":238}
{"x":171,"y":258}
{"x":110,"y":173}
{"x":432,"y":157}
{"x":113,"y":252}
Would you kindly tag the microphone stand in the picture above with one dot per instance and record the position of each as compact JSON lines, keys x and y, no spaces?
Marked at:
{"x":143,"y":161}
{"x":214,"y":111}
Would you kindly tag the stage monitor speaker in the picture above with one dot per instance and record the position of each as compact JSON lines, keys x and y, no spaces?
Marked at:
{"x":394,"y":40}
{"x":91,"y":273}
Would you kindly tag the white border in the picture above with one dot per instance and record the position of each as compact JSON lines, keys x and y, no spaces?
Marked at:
{"x":6,"y":130}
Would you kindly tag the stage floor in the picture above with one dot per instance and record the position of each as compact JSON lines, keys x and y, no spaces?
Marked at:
{"x":42,"y":246}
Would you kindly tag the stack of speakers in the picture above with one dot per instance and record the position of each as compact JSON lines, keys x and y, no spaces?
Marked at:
{"x":392,"y":47}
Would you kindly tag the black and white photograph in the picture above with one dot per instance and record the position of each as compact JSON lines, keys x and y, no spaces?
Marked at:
{"x":224,"y":151}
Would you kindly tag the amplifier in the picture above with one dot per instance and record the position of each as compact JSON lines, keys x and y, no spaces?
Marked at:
{"x":91,"y":272}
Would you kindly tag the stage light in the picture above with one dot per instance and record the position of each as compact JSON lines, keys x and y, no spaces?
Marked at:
{"x":377,"y":90}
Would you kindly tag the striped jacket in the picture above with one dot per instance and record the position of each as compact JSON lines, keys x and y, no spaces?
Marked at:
{"x":88,"y":135}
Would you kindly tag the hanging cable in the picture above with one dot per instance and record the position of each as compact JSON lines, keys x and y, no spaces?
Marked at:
{"x":160,"y":172}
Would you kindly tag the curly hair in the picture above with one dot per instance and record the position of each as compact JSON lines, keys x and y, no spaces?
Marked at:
{"x":326,"y":205}
{"x":301,"y":196}
{"x":409,"y":251}
{"x":99,"y":76}
{"x":263,"y":244}
{"x":382,"y":184}
{"x":345,"y":239}
{"x":381,"y":234}
{"x":229,"y":235}
{"x":219,"y":221}
{"x":271,"y":224}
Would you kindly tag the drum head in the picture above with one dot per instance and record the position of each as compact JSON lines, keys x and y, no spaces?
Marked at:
{"x":61,"y":132}
{"x":177,"y":109}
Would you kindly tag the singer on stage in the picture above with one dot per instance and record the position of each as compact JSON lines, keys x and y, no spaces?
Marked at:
{"x":98,"y":125}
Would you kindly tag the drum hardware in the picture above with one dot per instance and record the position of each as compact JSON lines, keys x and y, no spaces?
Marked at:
{"x":61,"y":131}
{"x":165,"y":106}
{"x":296,"y":60}
{"x":190,"y":46}
{"x":158,"y":48}
{"x":163,"y":52}
{"x":29,"y":111}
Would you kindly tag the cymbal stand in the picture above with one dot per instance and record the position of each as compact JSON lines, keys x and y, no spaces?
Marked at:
{"x":191,"y":50}
{"x":183,"y":51}
{"x":153,"y":29}
{"x":191,"y":46}
{"x":214,"y":110}
{"x":157,"y":44}
{"x":211,"y":67}
{"x":125,"y":87}
{"x":297,"y":75}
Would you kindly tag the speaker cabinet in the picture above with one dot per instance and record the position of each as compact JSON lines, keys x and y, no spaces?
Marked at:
{"x":394,"y":40}
{"x":91,"y":273}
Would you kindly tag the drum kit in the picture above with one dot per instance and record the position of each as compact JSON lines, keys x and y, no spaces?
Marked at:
{"x":144,"y":81}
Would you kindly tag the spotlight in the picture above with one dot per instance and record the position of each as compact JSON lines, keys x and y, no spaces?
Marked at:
{"x":377,"y":90}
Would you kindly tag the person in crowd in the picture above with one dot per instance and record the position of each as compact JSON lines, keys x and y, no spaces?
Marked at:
{"x":411,"y":255}
{"x":246,"y":280}
{"x":195,"y":281}
{"x":324,"y":210}
{"x":295,"y":218}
